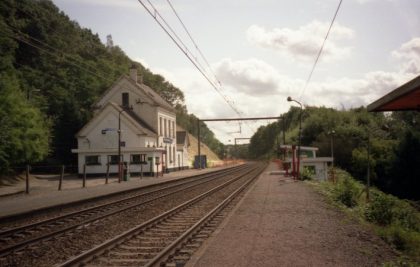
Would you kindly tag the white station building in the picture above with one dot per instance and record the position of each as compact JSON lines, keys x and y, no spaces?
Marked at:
{"x":147,"y":124}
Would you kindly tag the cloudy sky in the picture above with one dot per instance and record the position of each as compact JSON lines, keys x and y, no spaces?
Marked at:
{"x":263,"y":51}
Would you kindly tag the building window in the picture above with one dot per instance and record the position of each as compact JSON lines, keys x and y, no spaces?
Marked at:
{"x":135,"y":159}
{"x":125,"y":100}
{"x":169,"y":128}
{"x":173,"y":129}
{"x":164,"y":125}
{"x":92,"y":160}
{"x":160,"y":126}
{"x":173,"y":153}
{"x":170,"y":154}
{"x":113,"y":159}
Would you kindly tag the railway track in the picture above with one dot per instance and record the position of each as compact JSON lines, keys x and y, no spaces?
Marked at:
{"x":19,"y":238}
{"x":170,"y":238}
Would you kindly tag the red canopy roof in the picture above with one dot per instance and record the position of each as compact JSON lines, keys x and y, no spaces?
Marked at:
{"x":405,"y":97}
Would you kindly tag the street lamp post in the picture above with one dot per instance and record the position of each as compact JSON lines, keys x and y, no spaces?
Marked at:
{"x":119,"y":145}
{"x":368,"y":169}
{"x":331,"y":133}
{"x":300,"y":134}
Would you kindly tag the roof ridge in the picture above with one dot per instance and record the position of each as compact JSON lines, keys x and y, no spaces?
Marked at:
{"x":156,"y":98}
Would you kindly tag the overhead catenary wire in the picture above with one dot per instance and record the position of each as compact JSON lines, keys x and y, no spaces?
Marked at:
{"x":186,"y":51}
{"x":51,"y":30}
{"x":155,"y":14}
{"x":320,"y":51}
{"x":203,"y":57}
{"x":20,"y":39}
{"x":24,"y":38}
{"x":60,"y":53}
{"x":193,"y":41}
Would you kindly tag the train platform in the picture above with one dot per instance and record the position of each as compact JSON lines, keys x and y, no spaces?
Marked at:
{"x":283,"y":222}
{"x":44,"y":191}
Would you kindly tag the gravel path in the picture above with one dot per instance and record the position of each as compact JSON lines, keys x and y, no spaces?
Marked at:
{"x":286,"y":223}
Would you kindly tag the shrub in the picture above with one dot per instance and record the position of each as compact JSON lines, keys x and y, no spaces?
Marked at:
{"x":347,"y":192}
{"x":307,"y":174}
{"x":402,"y":239}
{"x":380,"y":209}
{"x":406,"y":215}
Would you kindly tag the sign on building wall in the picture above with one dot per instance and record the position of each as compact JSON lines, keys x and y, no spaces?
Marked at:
{"x":167,"y":140}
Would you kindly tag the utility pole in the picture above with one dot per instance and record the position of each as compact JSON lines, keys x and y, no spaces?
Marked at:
{"x":368,"y":170}
{"x":199,"y":144}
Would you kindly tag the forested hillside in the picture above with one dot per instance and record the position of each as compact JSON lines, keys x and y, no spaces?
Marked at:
{"x":51,"y":72}
{"x":394,"y":143}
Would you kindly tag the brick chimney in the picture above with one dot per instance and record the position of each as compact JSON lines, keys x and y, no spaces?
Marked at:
{"x":133,"y":73}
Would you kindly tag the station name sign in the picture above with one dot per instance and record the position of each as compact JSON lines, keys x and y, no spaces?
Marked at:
{"x":167,"y":140}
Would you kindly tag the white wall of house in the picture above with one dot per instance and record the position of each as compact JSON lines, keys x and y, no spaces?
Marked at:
{"x":319,"y":165}
{"x":99,"y":137}
{"x":138,"y":100}
{"x":166,"y":122}
{"x":182,"y":158}
{"x":104,"y":156}
{"x":104,"y":133}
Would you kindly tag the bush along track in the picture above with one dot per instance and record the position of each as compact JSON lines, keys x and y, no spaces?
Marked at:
{"x":394,"y":220}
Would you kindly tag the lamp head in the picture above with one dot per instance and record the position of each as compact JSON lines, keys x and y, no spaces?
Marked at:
{"x":289,"y":98}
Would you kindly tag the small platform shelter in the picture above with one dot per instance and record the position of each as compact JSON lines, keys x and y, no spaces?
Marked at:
{"x":308,"y":160}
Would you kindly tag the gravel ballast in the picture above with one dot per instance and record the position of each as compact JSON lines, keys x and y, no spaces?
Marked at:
{"x":285,"y":223}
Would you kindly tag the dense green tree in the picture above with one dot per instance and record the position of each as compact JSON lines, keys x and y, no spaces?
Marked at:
{"x":63,"y":69}
{"x":393,"y":140}
{"x":404,"y":179}
{"x":24,"y":133}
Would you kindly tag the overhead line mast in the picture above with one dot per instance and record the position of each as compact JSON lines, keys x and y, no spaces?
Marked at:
{"x":226,"y":119}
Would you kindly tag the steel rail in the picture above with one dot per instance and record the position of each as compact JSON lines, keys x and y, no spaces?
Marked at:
{"x":100,"y":249}
{"x":20,"y":245}
{"x":11,"y":231}
{"x":170,"y":249}
{"x":99,"y":198}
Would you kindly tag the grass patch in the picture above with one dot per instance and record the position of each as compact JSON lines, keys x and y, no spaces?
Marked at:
{"x":396,"y":221}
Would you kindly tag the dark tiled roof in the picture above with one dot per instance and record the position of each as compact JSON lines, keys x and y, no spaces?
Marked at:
{"x":141,"y":122}
{"x":152,"y":94}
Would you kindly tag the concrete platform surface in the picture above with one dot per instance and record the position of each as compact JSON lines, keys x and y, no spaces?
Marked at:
{"x":282,"y":222}
{"x":44,"y":191}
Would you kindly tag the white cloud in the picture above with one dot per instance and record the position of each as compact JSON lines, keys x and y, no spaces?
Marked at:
{"x":258,"y":89}
{"x":251,"y":77}
{"x":370,"y":1}
{"x":305,"y":42}
{"x":409,"y":53}
{"x":348,"y":93}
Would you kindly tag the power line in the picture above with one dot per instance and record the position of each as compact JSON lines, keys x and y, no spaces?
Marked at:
{"x":181,"y":45}
{"x":51,"y":30}
{"x":23,"y":39}
{"x":192,"y":40}
{"x":187,"y":53}
{"x":320,"y":51}
{"x":60,"y":52}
